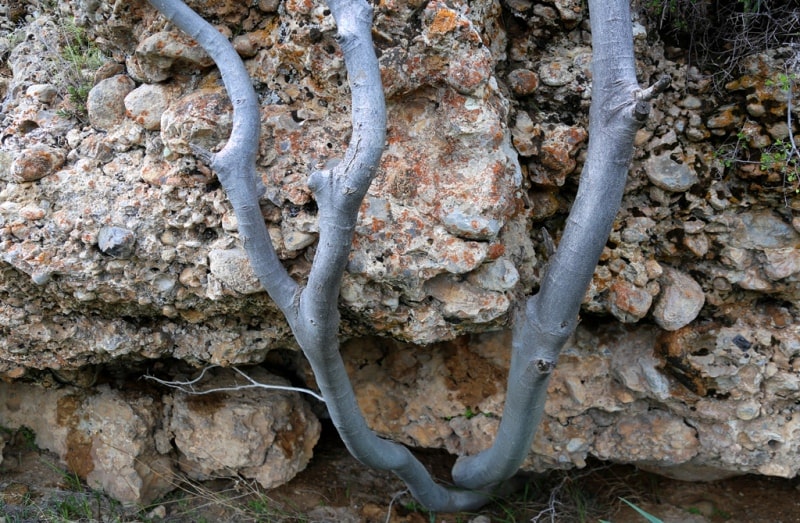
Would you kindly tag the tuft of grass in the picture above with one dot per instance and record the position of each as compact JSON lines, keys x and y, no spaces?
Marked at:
{"x":80,"y":57}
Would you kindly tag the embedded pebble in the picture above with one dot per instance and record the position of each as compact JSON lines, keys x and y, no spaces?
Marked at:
{"x":44,"y":93}
{"x":36,"y":162}
{"x":145,"y":105}
{"x":680,"y":301}
{"x":202,"y":118}
{"x":629,"y":303}
{"x":105,"y":104}
{"x":499,"y":275}
{"x":763,"y":230}
{"x":668,"y":174}
{"x":156,"y":55}
{"x":232,"y":267}
{"x":691,"y":102}
{"x":472,"y":227}
{"x":116,"y":241}
{"x":556,"y":73}
{"x":523,"y":81}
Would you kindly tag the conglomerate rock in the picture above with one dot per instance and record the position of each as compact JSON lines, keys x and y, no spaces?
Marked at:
{"x":703,"y":402}
{"x":120,"y":440}
{"x":274,"y":431}
{"x":118,"y":245}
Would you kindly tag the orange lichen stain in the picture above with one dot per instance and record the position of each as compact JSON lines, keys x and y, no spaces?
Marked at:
{"x":444,"y":21}
{"x":378,"y":225}
{"x":79,"y":444}
{"x":495,"y":251}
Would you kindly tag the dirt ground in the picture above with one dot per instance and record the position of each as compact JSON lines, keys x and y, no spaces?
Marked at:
{"x":336,"y":488}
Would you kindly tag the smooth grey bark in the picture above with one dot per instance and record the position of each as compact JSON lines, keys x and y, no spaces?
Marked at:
{"x":547,"y":319}
{"x":312,"y":311}
{"x":235,"y":163}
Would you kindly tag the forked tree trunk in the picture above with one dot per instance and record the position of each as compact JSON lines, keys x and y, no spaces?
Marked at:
{"x":543,"y":322}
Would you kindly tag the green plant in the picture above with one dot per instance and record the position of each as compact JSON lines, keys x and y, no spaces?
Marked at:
{"x":730,"y":154}
{"x":647,"y":517}
{"x":783,"y":81}
{"x":782,"y":157}
{"x":80,"y":57}
{"x":27,"y":437}
{"x":74,"y":506}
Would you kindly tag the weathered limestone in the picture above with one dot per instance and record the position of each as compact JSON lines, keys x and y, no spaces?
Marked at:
{"x":116,"y":242}
{"x":121,"y":441}
{"x":106,"y":437}
{"x":697,"y":403}
{"x":274,"y":433}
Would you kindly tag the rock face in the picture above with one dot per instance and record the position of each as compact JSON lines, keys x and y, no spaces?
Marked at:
{"x":120,"y":442}
{"x":702,"y":402}
{"x":117,"y":245}
{"x":275,"y":432}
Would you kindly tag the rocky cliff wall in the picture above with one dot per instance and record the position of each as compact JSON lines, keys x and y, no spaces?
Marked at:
{"x":118,"y":248}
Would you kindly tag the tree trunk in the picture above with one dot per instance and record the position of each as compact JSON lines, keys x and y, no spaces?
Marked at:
{"x":543,"y":323}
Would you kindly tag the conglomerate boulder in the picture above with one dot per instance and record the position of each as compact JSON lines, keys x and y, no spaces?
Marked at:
{"x":117,"y":245}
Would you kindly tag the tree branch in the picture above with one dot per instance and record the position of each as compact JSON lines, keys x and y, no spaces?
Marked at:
{"x":542,"y":324}
{"x":235,"y":163}
{"x":312,"y":312}
{"x":187,"y":387}
{"x":547,"y":319}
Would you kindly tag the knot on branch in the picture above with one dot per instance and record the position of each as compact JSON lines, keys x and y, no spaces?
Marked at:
{"x":653,"y":90}
{"x":641,"y":111}
{"x":347,"y":41}
{"x":545,"y":366}
{"x":318,"y":179}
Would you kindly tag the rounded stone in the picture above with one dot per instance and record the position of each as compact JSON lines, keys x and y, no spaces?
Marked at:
{"x":105,"y":104}
{"x":203,"y":118}
{"x":727,"y":117}
{"x":680,"y":301}
{"x":691,"y":102}
{"x":556,"y":73}
{"x":474,"y":227}
{"x":522,"y":81}
{"x":500,"y":275}
{"x":666,"y":173}
{"x":117,"y":242}
{"x":36,"y":162}
{"x":232,"y":268}
{"x":627,"y":302}
{"x":274,"y":436}
{"x":44,"y":93}
{"x":145,"y":105}
{"x":157,"y":54}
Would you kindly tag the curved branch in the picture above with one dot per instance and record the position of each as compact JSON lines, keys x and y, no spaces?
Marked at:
{"x":312,"y":312}
{"x":235,"y":163}
{"x":547,"y":319}
{"x":339,"y":193}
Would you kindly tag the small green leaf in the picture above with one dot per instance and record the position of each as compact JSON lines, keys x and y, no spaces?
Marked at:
{"x":649,"y":517}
